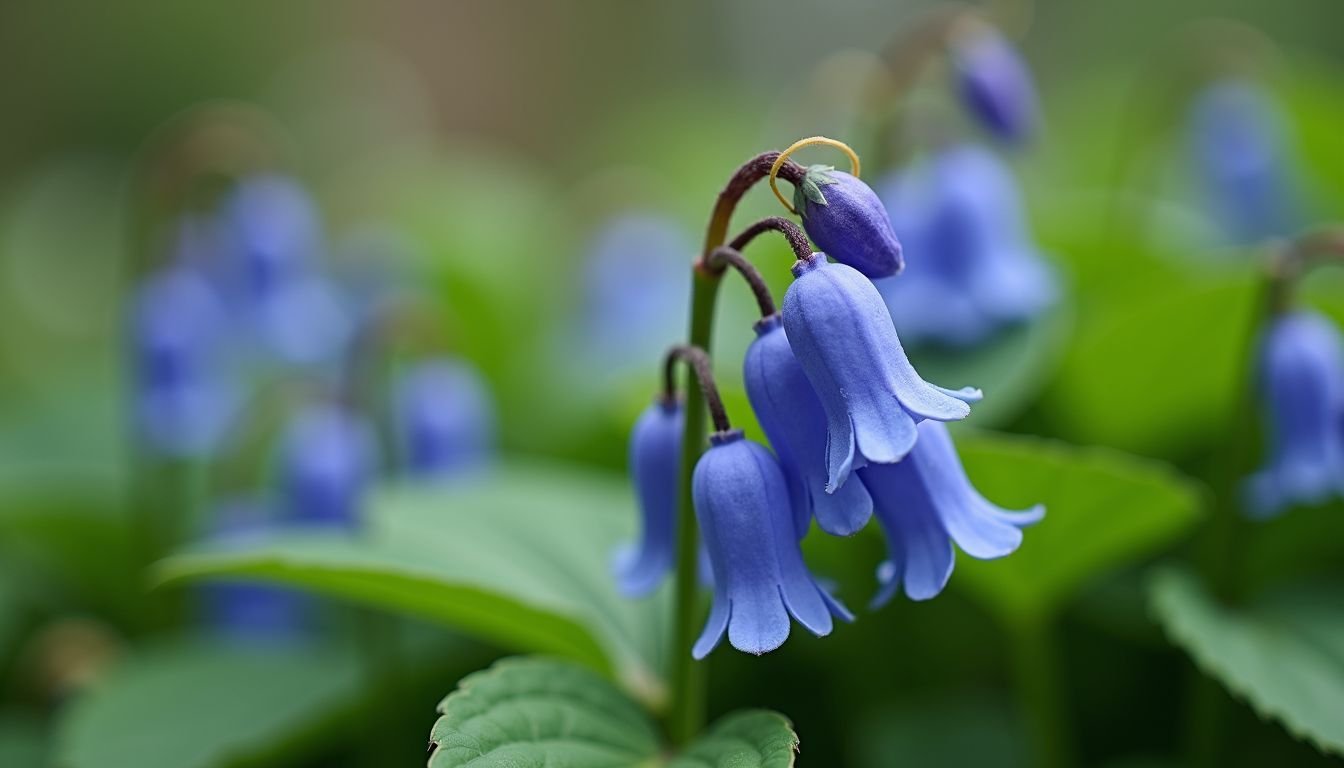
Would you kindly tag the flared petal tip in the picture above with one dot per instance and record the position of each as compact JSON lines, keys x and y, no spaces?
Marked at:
{"x":634,"y":577}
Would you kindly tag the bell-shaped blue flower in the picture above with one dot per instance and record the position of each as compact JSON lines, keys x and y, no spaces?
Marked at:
{"x":845,"y":218}
{"x":972,"y":267}
{"x":760,"y":579}
{"x":327,"y":460}
{"x":843,"y":337}
{"x":994,"y":82}
{"x":1302,"y":381}
{"x":655,"y":469}
{"x":445,"y":417}
{"x":247,"y":611}
{"x":925,"y":504}
{"x":1238,"y":141}
{"x":184,"y":402}
{"x":271,"y":233}
{"x":791,"y":415}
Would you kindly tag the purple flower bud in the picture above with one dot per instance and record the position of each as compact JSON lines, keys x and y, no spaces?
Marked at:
{"x":248,"y":611}
{"x":994,"y":83}
{"x":791,"y":415}
{"x":924,"y":504}
{"x":446,"y":418}
{"x":843,"y":337}
{"x":1238,"y":142}
{"x":327,"y":460}
{"x":272,"y":234}
{"x":845,"y":218}
{"x":655,"y":467}
{"x":1302,"y":379}
{"x":972,"y":267}
{"x":742,"y":503}
{"x":183,"y":400}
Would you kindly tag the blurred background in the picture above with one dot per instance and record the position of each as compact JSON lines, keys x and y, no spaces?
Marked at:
{"x":498,"y":201}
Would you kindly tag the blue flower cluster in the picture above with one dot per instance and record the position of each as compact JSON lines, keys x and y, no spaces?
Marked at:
{"x":856,"y":433}
{"x":242,"y":318}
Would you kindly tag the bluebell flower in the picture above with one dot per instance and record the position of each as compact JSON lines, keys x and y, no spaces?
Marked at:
{"x":845,"y":218}
{"x":305,"y":322}
{"x":1238,"y":142}
{"x":272,"y":235}
{"x":795,"y":422}
{"x":1302,"y":381}
{"x":248,"y":611}
{"x":925,"y":504}
{"x":655,"y":468}
{"x":327,"y":460}
{"x":445,"y":416}
{"x":994,"y":82}
{"x":972,"y":266}
{"x":183,"y":400}
{"x":843,"y":337}
{"x":760,"y":579}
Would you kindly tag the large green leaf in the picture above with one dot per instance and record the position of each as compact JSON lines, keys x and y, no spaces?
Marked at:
{"x":540,"y":711}
{"x":518,"y":555}
{"x":202,"y":705}
{"x":1283,"y":653}
{"x":1104,"y":509}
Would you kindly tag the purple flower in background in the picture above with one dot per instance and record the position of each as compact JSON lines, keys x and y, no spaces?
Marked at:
{"x":446,"y":418}
{"x":845,"y":218}
{"x":924,"y":504}
{"x":843,"y":337}
{"x":1302,"y":380}
{"x":183,"y":400}
{"x":327,"y":459}
{"x":760,"y":579}
{"x":972,"y":268}
{"x":655,"y":468}
{"x":248,"y":611}
{"x":272,"y":235}
{"x":795,"y":422}
{"x":635,"y":288}
{"x":1238,"y":141}
{"x":994,"y":83}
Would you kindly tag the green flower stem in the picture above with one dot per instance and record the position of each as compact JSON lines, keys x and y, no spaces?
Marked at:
{"x":1038,"y":684}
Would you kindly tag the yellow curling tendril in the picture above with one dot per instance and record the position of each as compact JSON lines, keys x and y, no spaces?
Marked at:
{"x":810,"y":141}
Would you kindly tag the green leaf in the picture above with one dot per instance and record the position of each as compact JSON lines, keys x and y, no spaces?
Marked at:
{"x":537,"y":711}
{"x":201,"y":705}
{"x":1283,"y":653}
{"x":746,"y":739}
{"x":518,"y":556}
{"x":1104,"y":509}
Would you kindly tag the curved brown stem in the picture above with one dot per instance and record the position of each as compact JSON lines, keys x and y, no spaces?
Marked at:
{"x":698,"y":361}
{"x":725,"y":256}
{"x":802,"y":247}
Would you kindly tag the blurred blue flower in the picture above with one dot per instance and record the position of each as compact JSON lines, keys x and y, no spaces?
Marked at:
{"x":183,"y":401}
{"x":248,"y":611}
{"x":327,"y":459}
{"x":994,"y":82}
{"x":446,"y":418}
{"x":795,"y":422}
{"x":1240,"y":149}
{"x":636,"y":288}
{"x":272,"y":235}
{"x":844,"y":339}
{"x":742,"y":503}
{"x":972,"y":266}
{"x":924,"y":504}
{"x":845,"y":218}
{"x":305,"y":322}
{"x":1302,"y":380}
{"x":655,"y":468}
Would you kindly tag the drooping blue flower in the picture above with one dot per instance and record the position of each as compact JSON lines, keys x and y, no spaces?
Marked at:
{"x":446,"y":418}
{"x":1238,"y":141}
{"x":1302,"y":381}
{"x":972,"y":266}
{"x":655,"y":468}
{"x":994,"y":82}
{"x":247,"y":611}
{"x":843,"y":337}
{"x":183,"y":400}
{"x":327,"y":459}
{"x":845,"y":218}
{"x":760,"y":579}
{"x":795,"y":422}
{"x":925,"y":504}
{"x":271,"y":233}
